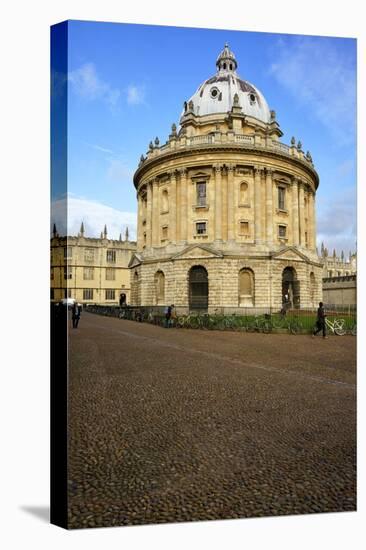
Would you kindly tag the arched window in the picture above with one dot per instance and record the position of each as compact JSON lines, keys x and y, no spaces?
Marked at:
{"x":246,"y":288}
{"x":243,"y":193}
{"x":159,"y":288}
{"x":164,"y":201}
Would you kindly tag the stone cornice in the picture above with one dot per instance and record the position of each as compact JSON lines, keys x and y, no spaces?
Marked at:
{"x":227,"y":147}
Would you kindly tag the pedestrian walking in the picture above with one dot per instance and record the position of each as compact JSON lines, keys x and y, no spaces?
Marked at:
{"x":76,"y":312}
{"x":168,"y":316}
{"x":320,"y":321}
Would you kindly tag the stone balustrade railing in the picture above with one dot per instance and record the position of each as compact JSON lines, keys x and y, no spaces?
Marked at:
{"x":219,"y":138}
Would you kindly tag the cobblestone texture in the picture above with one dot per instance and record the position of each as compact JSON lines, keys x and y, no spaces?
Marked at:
{"x":172,"y":425}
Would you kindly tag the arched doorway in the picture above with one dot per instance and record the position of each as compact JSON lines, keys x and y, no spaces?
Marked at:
{"x":290,"y":288}
{"x":198,"y":288}
{"x":159,"y":288}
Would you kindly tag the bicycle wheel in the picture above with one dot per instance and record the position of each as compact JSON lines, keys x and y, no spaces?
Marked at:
{"x":193,"y":321}
{"x":181,"y":322}
{"x":294,"y":327}
{"x":339,"y":327}
{"x":354,"y":330}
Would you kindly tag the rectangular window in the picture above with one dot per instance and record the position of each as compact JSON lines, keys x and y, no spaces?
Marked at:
{"x":244,"y":228}
{"x":89,"y":255}
{"x":52,"y":293}
{"x":67,"y":252}
{"x":87,"y":294}
{"x":67,"y":273}
{"x":164,"y":233}
{"x":110,"y":274}
{"x":201,"y":228}
{"x":52,"y":274}
{"x":88,"y":273}
{"x":111,"y":256}
{"x":67,"y":292}
{"x":201,"y":193}
{"x":282,"y":231}
{"x":110,"y":294}
{"x":281,"y":198}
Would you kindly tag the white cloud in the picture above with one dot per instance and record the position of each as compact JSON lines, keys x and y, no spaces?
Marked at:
{"x":337,"y":222}
{"x":318,"y":74}
{"x":135,"y":95}
{"x":86,"y":83}
{"x":102,"y":149}
{"x":94,"y":215}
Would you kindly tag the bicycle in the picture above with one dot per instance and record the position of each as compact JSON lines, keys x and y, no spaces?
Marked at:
{"x":292,"y":324}
{"x":337,"y":326}
{"x":261,"y":323}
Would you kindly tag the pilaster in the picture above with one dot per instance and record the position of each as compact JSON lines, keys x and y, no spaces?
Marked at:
{"x":218,"y":201}
{"x":257,"y":204}
{"x":269,"y":206}
{"x":230,"y":202}
{"x":173,"y":207}
{"x":295,"y":212}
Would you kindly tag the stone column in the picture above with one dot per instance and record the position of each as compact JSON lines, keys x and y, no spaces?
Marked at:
{"x":269,"y":207}
{"x":257,"y":204}
{"x":302,"y":213}
{"x":183,"y":204}
{"x":149,"y":215}
{"x":218,"y":202}
{"x":230,"y":203}
{"x":173,"y":208}
{"x":313,"y":216}
{"x":295,"y":212}
{"x":139,"y":222}
{"x":312,"y":231}
{"x":155,"y":214}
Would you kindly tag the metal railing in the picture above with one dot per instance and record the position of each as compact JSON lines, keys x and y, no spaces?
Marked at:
{"x":249,"y":319}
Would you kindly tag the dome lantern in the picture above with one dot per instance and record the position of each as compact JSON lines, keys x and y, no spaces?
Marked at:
{"x":226,"y":61}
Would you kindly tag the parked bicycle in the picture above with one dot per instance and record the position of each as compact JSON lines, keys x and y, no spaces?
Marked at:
{"x":336,"y":326}
{"x":292,"y":323}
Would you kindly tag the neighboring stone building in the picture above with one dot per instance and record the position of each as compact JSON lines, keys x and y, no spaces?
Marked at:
{"x":338,"y":266}
{"x":226,"y":212}
{"x":340,"y":291}
{"x":339,"y":278}
{"x":91,"y":270}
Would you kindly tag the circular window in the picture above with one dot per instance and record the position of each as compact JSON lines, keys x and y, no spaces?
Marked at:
{"x":214,"y":92}
{"x":252,"y":98}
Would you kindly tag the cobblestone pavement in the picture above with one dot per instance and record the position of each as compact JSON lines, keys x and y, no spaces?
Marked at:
{"x":171,"y":425}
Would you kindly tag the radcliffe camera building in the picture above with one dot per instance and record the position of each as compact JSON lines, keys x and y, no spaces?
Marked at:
{"x":226,"y":211}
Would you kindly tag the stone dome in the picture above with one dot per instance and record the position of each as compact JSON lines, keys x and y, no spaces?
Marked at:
{"x":226,"y":89}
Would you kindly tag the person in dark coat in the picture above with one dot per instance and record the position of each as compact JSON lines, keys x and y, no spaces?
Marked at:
{"x":76,"y":312}
{"x":320,"y":321}
{"x":168,"y":316}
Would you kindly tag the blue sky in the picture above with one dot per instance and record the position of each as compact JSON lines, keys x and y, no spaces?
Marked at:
{"x":127,"y":84}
